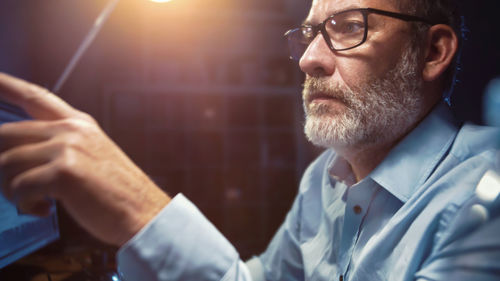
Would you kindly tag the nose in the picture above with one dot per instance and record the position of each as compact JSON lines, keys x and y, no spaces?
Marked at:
{"x":318,"y":59}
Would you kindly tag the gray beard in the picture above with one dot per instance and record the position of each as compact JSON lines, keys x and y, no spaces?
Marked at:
{"x":377,"y":112}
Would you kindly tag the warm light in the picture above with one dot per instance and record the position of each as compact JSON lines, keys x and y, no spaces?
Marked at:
{"x":161,"y":1}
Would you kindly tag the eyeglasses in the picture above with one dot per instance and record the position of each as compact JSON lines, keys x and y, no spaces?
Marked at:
{"x":342,"y":31}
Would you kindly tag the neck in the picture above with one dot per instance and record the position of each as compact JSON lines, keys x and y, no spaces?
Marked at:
{"x":365,"y":159}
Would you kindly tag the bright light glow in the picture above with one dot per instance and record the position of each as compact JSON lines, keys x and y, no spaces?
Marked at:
{"x":488,"y":188}
{"x":161,"y":1}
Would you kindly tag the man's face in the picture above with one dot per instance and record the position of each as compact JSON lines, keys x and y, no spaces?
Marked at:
{"x":366,"y":95}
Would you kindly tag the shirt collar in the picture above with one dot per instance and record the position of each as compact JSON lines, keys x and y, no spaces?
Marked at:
{"x":411,"y":162}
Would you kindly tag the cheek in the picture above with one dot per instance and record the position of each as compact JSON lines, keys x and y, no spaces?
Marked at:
{"x":354,"y":73}
{"x":374,"y":59}
{"x":357,"y":70}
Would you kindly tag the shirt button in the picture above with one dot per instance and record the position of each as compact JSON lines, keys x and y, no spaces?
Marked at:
{"x":341,"y":278}
{"x":357,"y":209}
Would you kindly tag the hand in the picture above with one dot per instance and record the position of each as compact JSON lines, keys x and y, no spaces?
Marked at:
{"x":63,"y":154}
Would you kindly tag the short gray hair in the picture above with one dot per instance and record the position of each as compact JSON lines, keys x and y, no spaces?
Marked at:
{"x":441,"y":11}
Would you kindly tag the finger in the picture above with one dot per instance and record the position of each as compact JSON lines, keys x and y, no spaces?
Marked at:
{"x":23,"y":158}
{"x":32,"y":186}
{"x":37,"y":208}
{"x":25,"y":132}
{"x":35,"y":100}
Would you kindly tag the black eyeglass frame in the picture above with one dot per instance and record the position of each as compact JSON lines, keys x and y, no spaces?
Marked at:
{"x":365,"y":12}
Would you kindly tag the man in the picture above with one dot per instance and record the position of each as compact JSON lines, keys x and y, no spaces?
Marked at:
{"x":393,"y":199}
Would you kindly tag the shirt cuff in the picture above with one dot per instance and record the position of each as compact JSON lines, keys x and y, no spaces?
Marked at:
{"x":178,"y":244}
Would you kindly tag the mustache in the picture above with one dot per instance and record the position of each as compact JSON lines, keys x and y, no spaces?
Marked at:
{"x":317,"y":87}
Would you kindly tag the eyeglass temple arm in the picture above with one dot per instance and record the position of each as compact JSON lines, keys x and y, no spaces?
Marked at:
{"x":400,"y":16}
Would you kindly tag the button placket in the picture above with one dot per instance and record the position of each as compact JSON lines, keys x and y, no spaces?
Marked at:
{"x":358,"y":201}
{"x":352,"y":221}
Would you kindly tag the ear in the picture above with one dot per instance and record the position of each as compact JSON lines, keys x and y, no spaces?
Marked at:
{"x":442,"y":45}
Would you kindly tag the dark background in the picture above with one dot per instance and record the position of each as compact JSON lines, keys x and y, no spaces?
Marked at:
{"x":201,"y":94}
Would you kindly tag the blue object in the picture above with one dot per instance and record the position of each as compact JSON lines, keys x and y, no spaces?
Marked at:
{"x":492,"y":103}
{"x":21,"y":234}
{"x":413,"y":218}
{"x":492,"y":107}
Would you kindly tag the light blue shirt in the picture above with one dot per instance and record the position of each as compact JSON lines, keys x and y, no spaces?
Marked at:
{"x":417,"y":216}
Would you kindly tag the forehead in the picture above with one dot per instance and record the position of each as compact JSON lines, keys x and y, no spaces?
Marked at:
{"x":321,"y":9}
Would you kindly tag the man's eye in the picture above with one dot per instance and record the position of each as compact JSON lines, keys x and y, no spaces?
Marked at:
{"x":348,"y":27}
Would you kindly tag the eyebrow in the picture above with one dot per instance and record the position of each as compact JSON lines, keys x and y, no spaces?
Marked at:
{"x":307,"y":22}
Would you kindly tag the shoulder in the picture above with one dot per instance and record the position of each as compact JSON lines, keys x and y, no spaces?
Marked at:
{"x":473,"y":153}
{"x":474,"y":140}
{"x":466,"y":226}
{"x":469,"y":244}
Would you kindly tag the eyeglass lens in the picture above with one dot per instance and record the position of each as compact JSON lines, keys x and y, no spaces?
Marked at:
{"x":345,"y":30}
